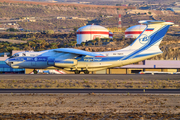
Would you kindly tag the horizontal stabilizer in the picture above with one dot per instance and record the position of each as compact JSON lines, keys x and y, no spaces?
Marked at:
{"x":155,"y":22}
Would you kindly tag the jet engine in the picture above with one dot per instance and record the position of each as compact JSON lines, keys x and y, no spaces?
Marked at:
{"x":61,"y":62}
{"x":65,"y":63}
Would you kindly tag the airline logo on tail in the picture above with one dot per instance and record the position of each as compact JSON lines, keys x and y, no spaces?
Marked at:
{"x":144,"y":39}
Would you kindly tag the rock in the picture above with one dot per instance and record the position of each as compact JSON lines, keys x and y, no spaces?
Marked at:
{"x":109,"y":49}
{"x":86,"y":49}
{"x":141,"y":118}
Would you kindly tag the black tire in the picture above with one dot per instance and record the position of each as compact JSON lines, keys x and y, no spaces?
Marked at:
{"x":35,"y":71}
{"x":86,"y":72}
{"x":77,"y":72}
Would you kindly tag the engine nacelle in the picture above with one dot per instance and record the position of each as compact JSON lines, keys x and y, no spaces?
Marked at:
{"x":52,"y":61}
{"x":65,"y":63}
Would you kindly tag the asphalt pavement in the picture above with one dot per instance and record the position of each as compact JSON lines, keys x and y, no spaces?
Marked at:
{"x":127,"y":91}
{"x":90,"y":76}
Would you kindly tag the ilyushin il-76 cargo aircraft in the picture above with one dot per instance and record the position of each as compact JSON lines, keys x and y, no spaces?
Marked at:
{"x":144,"y":47}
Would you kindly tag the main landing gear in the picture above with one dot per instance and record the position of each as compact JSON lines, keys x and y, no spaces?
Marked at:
{"x":78,"y":72}
{"x":86,"y":72}
{"x":35,"y":71}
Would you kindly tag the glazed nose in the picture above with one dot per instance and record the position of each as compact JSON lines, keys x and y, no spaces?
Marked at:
{"x":7,"y":61}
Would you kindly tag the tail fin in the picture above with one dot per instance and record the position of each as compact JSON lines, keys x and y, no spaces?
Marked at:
{"x":152,"y":35}
{"x":148,"y":41}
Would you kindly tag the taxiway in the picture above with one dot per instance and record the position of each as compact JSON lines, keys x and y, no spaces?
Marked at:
{"x":90,"y":77}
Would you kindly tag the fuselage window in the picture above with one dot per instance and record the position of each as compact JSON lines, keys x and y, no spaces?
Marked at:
{"x":114,"y":53}
{"x":32,"y":55}
{"x":120,"y":53}
{"x":24,"y":54}
{"x":15,"y":55}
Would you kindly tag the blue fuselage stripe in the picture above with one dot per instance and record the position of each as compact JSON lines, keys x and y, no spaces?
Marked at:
{"x":111,"y":59}
{"x":29,"y":59}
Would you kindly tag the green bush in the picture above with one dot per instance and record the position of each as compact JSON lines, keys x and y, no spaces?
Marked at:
{"x":49,"y":32}
{"x":24,"y":39}
{"x":12,"y":30}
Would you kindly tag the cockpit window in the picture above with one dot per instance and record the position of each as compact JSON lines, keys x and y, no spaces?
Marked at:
{"x":15,"y":55}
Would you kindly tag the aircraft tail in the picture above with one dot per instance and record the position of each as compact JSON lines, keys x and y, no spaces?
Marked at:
{"x":152,"y":35}
{"x":148,"y":41}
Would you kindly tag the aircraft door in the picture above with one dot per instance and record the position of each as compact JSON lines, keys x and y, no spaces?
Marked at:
{"x":89,"y":62}
{"x":50,"y":61}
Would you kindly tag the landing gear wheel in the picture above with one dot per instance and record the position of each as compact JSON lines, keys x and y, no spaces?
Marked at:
{"x":35,"y":71}
{"x":86,"y":72}
{"x":77,"y":72}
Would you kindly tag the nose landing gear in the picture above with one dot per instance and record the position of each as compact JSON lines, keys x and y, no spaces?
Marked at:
{"x":35,"y":71}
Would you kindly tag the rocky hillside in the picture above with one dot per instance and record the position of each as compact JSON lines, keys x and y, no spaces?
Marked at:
{"x":43,"y":9}
{"x":39,"y":16}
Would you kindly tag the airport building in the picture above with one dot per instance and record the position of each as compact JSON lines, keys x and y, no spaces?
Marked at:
{"x":134,"y":31}
{"x":174,"y":9}
{"x":163,"y":66}
{"x":177,"y":3}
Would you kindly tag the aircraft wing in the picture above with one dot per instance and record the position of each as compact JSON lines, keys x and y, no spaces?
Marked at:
{"x":76,"y":52}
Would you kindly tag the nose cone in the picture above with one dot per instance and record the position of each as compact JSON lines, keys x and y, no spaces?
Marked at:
{"x":7,"y":61}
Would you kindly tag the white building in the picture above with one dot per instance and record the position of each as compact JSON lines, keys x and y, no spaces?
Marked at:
{"x":134,"y":31}
{"x":174,"y":9}
{"x":91,"y":32}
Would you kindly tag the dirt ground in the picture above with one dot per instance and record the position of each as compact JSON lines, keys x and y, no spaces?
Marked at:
{"x":92,"y":84}
{"x":91,"y":103}
{"x":89,"y":106}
